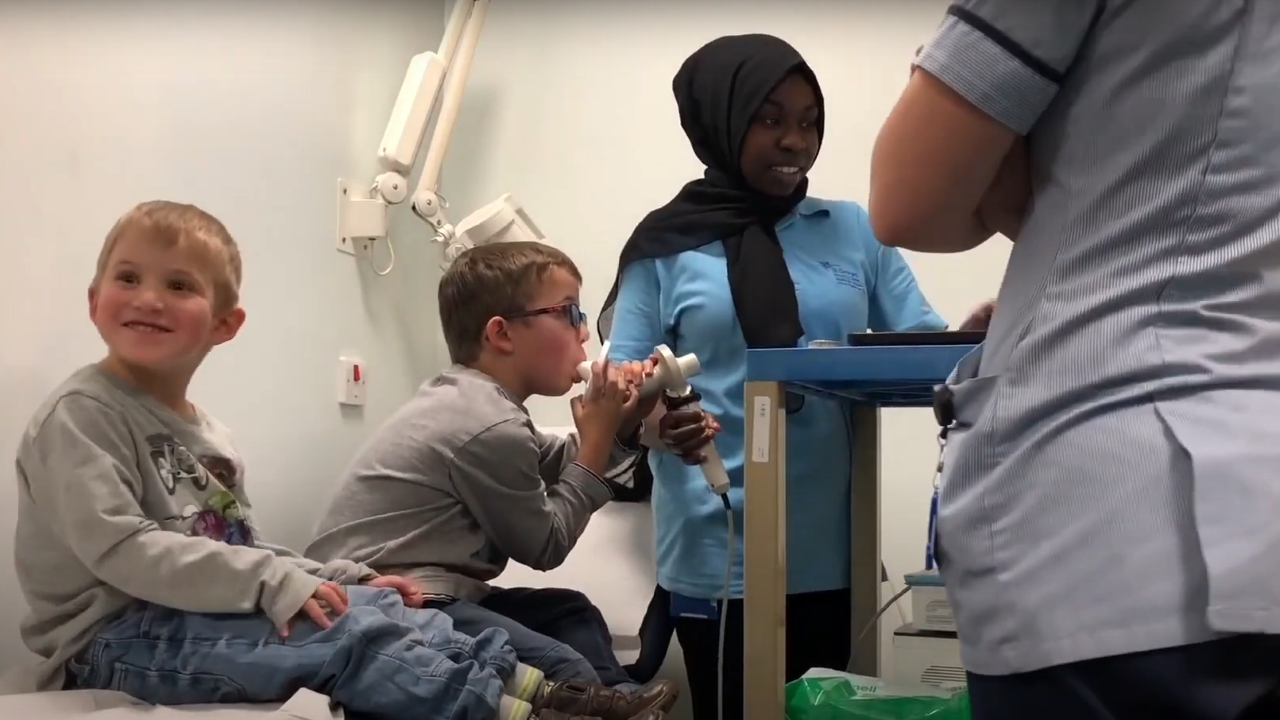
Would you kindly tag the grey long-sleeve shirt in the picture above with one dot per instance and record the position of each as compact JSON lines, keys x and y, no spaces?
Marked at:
{"x":121,"y":499}
{"x":457,"y":482}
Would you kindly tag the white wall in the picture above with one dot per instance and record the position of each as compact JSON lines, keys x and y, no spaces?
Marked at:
{"x":570,"y":109}
{"x":252,"y":110}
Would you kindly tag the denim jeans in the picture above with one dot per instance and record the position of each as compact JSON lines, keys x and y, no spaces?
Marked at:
{"x":379,"y":660}
{"x":559,"y":631}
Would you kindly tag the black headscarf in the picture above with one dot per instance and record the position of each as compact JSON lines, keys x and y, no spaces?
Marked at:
{"x":718,"y":91}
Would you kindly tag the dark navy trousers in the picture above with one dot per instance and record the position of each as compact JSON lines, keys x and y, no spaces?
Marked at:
{"x":1232,"y":679}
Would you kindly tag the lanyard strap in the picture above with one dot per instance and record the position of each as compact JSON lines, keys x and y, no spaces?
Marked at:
{"x":931,"y":543}
{"x":944,"y":413}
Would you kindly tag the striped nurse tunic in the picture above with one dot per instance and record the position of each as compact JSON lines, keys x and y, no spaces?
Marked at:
{"x":1113,"y":481}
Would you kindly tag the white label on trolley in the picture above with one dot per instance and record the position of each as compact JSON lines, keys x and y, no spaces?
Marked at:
{"x":762,"y":410}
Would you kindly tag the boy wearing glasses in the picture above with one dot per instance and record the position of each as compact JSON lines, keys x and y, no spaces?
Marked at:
{"x":459,"y":481}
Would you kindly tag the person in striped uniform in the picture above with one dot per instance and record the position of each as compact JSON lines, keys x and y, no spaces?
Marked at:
{"x":1107,"y":524}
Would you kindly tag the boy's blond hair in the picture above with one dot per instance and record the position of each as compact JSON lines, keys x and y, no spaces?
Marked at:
{"x":492,"y":281}
{"x":172,"y":224}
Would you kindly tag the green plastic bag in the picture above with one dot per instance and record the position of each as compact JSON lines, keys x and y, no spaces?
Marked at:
{"x":832,"y":695}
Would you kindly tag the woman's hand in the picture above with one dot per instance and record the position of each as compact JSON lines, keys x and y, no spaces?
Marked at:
{"x":686,"y":432}
{"x":980,"y":318}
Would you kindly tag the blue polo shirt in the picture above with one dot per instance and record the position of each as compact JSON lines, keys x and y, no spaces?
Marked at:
{"x":846,"y":282}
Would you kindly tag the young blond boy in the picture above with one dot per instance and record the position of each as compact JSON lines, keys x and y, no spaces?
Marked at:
{"x":459,"y":481}
{"x":137,"y":551}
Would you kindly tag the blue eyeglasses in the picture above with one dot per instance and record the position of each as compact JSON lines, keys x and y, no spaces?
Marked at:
{"x":569,"y":311}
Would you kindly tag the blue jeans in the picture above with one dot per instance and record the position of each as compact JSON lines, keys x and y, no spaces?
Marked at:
{"x":559,"y":631}
{"x":379,"y":660}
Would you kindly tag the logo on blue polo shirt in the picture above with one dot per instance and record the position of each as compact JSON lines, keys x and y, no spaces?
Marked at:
{"x":847,"y":278}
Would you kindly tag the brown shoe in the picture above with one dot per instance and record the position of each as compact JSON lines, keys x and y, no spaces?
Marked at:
{"x":555,"y":715}
{"x":609,"y":703}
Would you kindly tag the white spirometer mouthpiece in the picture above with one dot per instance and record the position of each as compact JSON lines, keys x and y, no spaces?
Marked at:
{"x":672,"y":376}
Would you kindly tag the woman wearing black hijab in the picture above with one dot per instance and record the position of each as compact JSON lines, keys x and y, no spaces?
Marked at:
{"x":743,"y":258}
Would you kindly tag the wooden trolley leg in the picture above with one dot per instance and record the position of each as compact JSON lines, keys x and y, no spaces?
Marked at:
{"x":765,"y":548}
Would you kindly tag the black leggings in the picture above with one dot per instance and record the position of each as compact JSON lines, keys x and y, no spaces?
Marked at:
{"x":819,"y":634}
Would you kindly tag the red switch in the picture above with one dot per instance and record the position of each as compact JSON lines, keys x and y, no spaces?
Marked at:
{"x":355,"y":373}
